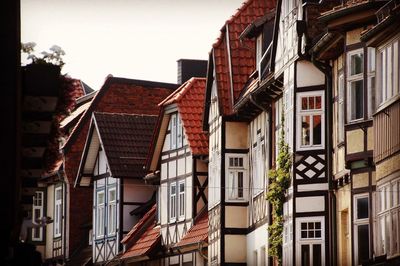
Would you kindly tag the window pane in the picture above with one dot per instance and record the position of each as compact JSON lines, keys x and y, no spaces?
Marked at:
{"x":356,"y":64}
{"x":311,"y":102}
{"x":304,"y":103}
{"x":318,"y":102}
{"x":317,"y":254}
{"x":357,"y":100}
{"x":112,"y":195}
{"x":362,"y":208}
{"x":100,"y":198}
{"x":240,"y":184}
{"x":317,"y":130}
{"x":303,"y":234}
{"x":305,"y":132}
{"x":363,"y":243}
{"x":305,"y":255}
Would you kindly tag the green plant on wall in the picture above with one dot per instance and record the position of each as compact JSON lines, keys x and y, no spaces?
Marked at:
{"x":279,"y":182}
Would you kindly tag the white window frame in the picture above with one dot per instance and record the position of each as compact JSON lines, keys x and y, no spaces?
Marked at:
{"x":100,"y":214}
{"x":181,"y":203}
{"x":371,"y":80}
{"x":351,"y":79}
{"x":382,"y":68}
{"x":259,"y":42}
{"x":232,"y":179}
{"x":360,"y":222}
{"x":57,"y":212}
{"x":310,"y":241}
{"x":310,"y":113}
{"x":177,"y":135}
{"x":111,"y":212}
{"x":388,"y":211}
{"x":38,"y":205}
{"x":340,"y":113}
{"x":258,"y":164}
{"x":172,"y":202}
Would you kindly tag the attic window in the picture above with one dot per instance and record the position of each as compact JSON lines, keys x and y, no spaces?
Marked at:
{"x":176,"y":135}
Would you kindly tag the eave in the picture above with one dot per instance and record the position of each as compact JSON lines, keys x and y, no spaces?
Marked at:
{"x":329,"y":46}
{"x":353,"y":16}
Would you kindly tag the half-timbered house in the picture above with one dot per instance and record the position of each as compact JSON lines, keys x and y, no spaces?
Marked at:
{"x":238,"y":124}
{"x":117,"y":95}
{"x":362,"y":47}
{"x":112,"y":163}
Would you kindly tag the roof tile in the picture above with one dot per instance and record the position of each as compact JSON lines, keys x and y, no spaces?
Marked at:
{"x":190,"y":101}
{"x":197,"y":233}
{"x":126,"y":139}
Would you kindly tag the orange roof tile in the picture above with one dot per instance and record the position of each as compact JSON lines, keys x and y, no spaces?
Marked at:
{"x":242,"y":59}
{"x":189,"y":98}
{"x":197,"y":233}
{"x":145,"y":244}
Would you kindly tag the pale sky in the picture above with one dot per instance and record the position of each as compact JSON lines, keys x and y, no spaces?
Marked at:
{"x":137,"y":39}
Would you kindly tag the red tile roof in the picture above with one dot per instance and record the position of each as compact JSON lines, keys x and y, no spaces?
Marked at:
{"x":190,"y":101}
{"x":242,"y":57}
{"x":126,"y":139}
{"x":147,"y":241}
{"x":197,"y":233}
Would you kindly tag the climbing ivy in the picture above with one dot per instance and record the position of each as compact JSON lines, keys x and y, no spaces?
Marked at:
{"x":279,"y":182}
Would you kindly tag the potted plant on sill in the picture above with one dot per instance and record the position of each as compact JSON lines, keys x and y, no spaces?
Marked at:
{"x":42,"y":75}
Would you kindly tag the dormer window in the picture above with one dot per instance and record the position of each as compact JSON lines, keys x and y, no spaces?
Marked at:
{"x":176,"y":135}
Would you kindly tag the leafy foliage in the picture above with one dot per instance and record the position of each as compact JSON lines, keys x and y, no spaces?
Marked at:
{"x":279,"y":182}
{"x":53,"y":57}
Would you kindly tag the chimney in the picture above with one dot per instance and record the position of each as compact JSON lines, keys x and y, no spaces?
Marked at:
{"x":188,"y":68}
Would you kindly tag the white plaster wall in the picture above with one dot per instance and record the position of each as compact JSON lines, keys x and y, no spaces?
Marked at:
{"x":236,"y":216}
{"x":257,"y":240}
{"x":310,"y":204}
{"x":308,"y":75}
{"x":164,"y":203}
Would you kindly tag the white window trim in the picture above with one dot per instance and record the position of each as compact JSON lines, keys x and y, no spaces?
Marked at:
{"x":58,"y":218}
{"x":353,"y":78}
{"x":259,"y":42}
{"x":40,"y":207}
{"x":109,"y":217}
{"x":340,"y":106}
{"x":393,"y":210}
{"x":173,"y":132}
{"x":312,"y":112}
{"x":258,"y":162}
{"x":358,"y":222}
{"x":300,"y":241}
{"x":181,"y":194}
{"x":172,"y":218}
{"x":98,"y":207}
{"x":381,"y":101}
{"x":244,"y":169}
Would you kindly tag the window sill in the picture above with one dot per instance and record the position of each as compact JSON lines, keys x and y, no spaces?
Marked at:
{"x":387,"y":104}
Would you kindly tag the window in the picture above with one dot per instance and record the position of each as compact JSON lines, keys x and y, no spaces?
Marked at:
{"x":57,"y":211}
{"x":258,"y":52}
{"x":100,"y":213}
{"x":388,"y":70}
{"x":355,"y":85}
{"x":361,"y":228}
{"x":340,"y":118}
{"x":112,"y":211}
{"x":236,"y":178}
{"x":177,"y":136}
{"x":258,"y":164}
{"x":310,"y":246}
{"x":37,"y":210}
{"x":388,"y":217}
{"x":371,"y":81}
{"x":172,"y":202}
{"x":310,"y":124}
{"x":182,"y":199}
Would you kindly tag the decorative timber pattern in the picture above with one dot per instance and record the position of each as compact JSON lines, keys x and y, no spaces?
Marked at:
{"x":310,"y":167}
